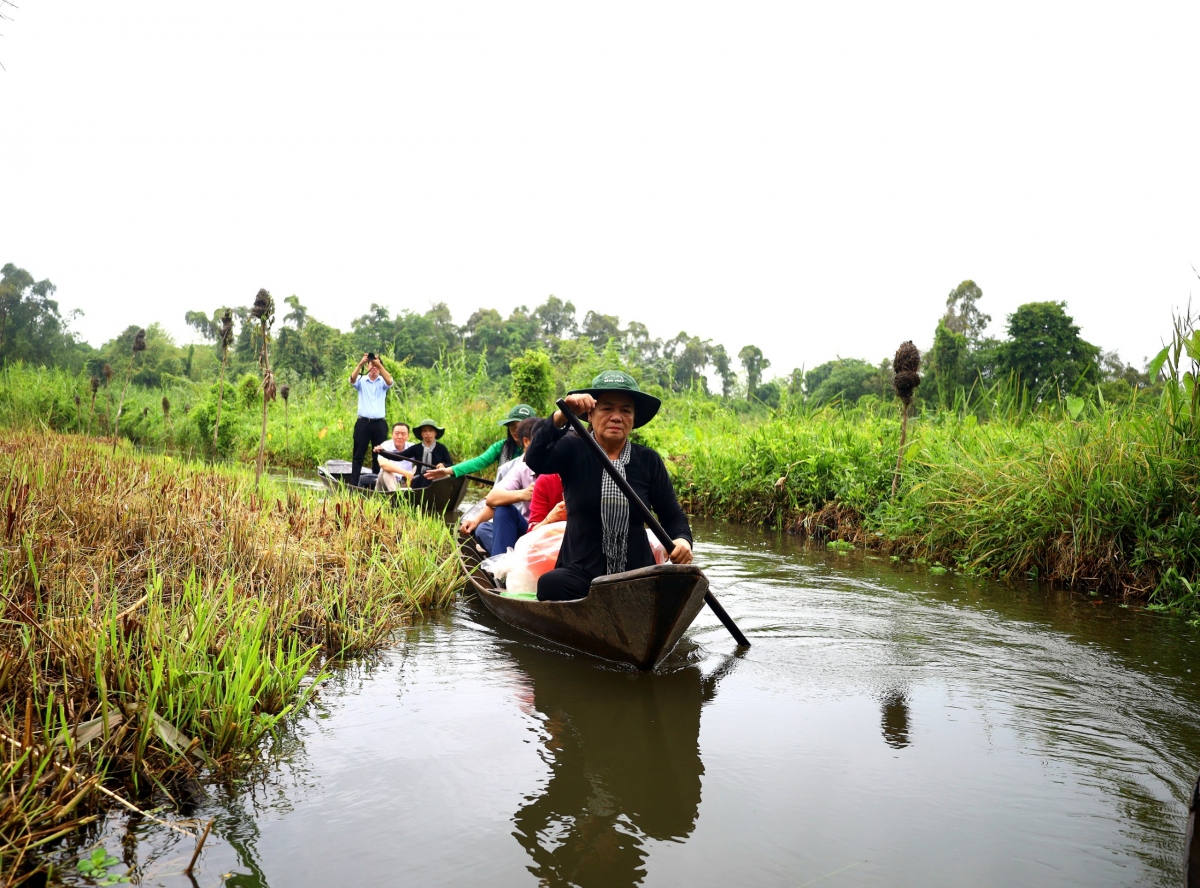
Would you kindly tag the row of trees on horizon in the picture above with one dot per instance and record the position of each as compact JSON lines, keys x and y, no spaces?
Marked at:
{"x":1043,"y":348}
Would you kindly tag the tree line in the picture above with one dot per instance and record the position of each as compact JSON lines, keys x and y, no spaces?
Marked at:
{"x":1043,"y":348}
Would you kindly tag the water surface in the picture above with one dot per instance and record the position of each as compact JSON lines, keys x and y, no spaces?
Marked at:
{"x":888,"y":727}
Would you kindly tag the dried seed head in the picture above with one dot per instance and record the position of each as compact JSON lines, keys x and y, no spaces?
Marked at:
{"x":77,"y":400}
{"x":107,"y":371}
{"x":264,"y":306}
{"x":139,"y":341}
{"x":284,"y":391}
{"x":225,"y":329}
{"x":145,"y":412}
{"x":907,"y":358}
{"x":96,"y":382}
{"x":906,"y":363}
{"x":269,"y":386}
{"x":166,"y":406}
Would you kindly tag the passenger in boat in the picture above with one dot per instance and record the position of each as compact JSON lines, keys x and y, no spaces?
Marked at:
{"x":605,"y":535}
{"x":370,"y":428}
{"x":502,"y":519}
{"x":430,"y":450}
{"x":547,"y":505}
{"x":510,"y":496}
{"x":394,"y":471}
{"x":502,"y":451}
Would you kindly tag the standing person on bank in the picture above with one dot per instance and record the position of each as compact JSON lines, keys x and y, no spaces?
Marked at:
{"x":604,"y":534}
{"x":371,"y":427}
{"x":502,"y":452}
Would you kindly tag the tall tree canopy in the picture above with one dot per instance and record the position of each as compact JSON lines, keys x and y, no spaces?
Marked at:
{"x":1044,"y":348}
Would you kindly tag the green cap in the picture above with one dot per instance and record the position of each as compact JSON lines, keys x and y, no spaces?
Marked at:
{"x":644,"y":406}
{"x":518,"y":413}
{"x":432,"y":424}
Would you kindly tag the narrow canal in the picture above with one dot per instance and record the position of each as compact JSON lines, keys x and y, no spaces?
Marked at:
{"x":888,"y":728}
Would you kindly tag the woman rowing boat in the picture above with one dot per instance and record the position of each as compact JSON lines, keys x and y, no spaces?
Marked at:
{"x":604,"y":535}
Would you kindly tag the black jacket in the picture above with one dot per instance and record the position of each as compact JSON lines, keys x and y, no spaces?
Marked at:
{"x":554,"y":451}
{"x":417,"y":451}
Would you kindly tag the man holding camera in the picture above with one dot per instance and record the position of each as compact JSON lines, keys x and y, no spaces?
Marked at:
{"x":371,"y":427}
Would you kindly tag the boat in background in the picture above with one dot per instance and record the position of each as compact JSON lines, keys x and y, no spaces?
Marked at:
{"x":440,"y":497}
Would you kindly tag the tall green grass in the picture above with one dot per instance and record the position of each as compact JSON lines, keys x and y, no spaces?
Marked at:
{"x":158,"y":617}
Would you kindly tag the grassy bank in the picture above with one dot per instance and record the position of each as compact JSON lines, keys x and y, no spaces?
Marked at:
{"x":158,"y":617}
{"x":1074,"y":490}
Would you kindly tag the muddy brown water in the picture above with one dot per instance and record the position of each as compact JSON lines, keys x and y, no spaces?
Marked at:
{"x":889,"y":727}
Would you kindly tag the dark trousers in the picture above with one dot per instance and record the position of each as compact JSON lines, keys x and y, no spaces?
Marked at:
{"x":367,"y":434}
{"x":562,"y":584}
{"x":510,"y":525}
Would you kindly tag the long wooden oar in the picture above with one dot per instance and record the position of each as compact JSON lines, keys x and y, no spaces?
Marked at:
{"x":647,"y":515}
{"x":475,"y":478}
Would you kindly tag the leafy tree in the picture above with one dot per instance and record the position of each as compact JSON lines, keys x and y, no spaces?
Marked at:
{"x":483,"y":333}
{"x":533,"y":380}
{"x":1044,"y":348}
{"x":31,"y":327}
{"x":769,"y":393}
{"x":207,"y":327}
{"x":557,"y":318}
{"x":689,"y":355}
{"x":298,"y":316}
{"x":600,"y":328}
{"x":962,"y":312}
{"x":846,"y":379}
{"x":374,"y":330}
{"x":159,"y":361}
{"x":947,"y":363}
{"x":754,"y":363}
{"x":724,"y":368}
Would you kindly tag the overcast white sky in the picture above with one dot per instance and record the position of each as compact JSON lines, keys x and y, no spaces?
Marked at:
{"x":810,"y":177}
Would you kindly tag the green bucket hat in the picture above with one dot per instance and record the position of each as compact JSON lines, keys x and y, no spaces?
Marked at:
{"x":518,"y":413}
{"x":644,"y":406}
{"x":433,"y":425}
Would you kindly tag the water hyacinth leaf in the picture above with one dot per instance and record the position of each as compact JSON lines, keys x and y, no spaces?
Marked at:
{"x":1075,"y":406}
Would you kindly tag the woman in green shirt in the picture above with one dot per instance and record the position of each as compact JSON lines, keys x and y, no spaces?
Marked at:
{"x":504,"y":450}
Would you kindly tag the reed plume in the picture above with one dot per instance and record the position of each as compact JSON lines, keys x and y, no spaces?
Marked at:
{"x":139,"y":346}
{"x":224,"y":339}
{"x":905,"y":365}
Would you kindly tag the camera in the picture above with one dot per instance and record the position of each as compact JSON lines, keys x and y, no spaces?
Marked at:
{"x":370,"y":356}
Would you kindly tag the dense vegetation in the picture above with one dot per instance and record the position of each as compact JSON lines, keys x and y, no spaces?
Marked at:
{"x":1039,"y":454}
{"x":158,"y":617}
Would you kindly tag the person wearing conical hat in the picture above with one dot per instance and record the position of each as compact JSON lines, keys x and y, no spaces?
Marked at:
{"x":505,"y":450}
{"x":605,"y":534}
{"x":429,"y":450}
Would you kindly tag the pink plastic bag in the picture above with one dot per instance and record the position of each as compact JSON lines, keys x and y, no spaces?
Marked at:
{"x":537,"y":552}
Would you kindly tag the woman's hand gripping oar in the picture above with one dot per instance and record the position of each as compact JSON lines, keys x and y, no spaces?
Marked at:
{"x":646,"y":514}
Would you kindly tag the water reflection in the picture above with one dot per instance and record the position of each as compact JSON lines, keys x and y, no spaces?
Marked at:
{"x":625,"y":767}
{"x":894,"y":705}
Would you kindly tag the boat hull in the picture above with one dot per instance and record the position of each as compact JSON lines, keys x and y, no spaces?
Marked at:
{"x":439,"y":497}
{"x":635,"y":617}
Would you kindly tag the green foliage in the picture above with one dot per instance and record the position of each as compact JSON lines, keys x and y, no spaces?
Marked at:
{"x":533,"y":380}
{"x":1045,"y":351}
{"x":249,"y":390}
{"x":847,"y":380}
{"x":754,"y":364}
{"x":963,"y":316}
{"x":31,"y":328}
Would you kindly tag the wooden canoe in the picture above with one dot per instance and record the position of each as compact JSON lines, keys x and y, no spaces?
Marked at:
{"x":439,"y":497}
{"x":634,"y":617}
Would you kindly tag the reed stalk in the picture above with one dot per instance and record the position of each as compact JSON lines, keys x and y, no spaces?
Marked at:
{"x":139,"y":346}
{"x":905,"y":379}
{"x":95,"y":383}
{"x":224,"y":338}
{"x":263,"y":311}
